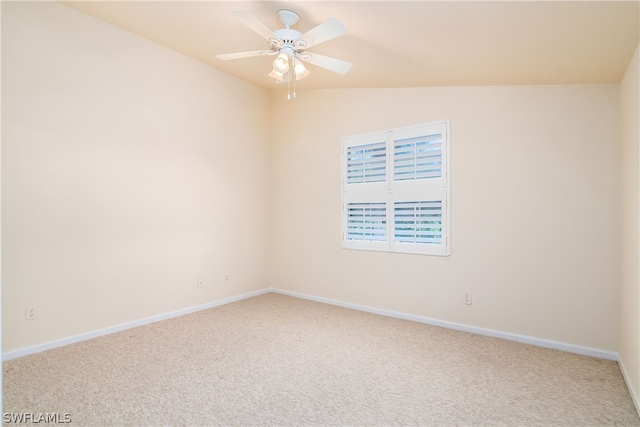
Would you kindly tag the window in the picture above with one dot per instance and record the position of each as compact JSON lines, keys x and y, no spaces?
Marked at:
{"x":395,"y":190}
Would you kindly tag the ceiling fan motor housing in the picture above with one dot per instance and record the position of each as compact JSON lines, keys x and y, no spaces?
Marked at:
{"x":287,"y":35}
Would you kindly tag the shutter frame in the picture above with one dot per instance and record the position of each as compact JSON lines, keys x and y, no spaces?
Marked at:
{"x":422,"y":149}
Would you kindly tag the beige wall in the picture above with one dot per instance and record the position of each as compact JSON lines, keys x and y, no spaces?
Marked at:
{"x":630,"y":218}
{"x":535,"y":237}
{"x":128,"y":171}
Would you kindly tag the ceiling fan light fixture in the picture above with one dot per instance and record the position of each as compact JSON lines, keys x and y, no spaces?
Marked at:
{"x":281,"y":63}
{"x":277,"y":75}
{"x":300,"y":70}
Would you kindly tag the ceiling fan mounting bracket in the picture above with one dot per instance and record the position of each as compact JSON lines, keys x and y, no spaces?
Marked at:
{"x":288,"y":17}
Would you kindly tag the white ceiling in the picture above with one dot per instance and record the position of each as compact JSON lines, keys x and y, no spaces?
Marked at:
{"x":405,"y":44}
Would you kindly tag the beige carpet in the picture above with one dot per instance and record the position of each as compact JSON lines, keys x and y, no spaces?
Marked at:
{"x":278,"y":360}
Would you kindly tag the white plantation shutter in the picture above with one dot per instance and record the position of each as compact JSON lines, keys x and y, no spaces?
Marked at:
{"x":418,"y":222}
{"x":417,"y":158}
{"x":367,"y":163}
{"x":367,"y":221}
{"x":396,"y":190}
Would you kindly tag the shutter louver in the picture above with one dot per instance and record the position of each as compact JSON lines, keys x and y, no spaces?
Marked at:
{"x":417,"y":158}
{"x":418,"y":222}
{"x":367,"y":221}
{"x":367,"y":163}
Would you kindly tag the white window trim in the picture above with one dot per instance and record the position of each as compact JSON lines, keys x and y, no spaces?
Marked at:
{"x":391,"y":191}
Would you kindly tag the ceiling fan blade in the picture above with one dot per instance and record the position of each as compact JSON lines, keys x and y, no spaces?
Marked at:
{"x":329,"y":29}
{"x":238,"y":55}
{"x":252,"y":22}
{"x":332,"y":64}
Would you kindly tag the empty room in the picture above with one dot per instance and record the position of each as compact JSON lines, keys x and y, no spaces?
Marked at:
{"x":320,"y":213}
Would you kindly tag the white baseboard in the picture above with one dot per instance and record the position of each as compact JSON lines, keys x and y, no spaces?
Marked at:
{"x":123,"y":326}
{"x":632,"y":390}
{"x":585,"y":351}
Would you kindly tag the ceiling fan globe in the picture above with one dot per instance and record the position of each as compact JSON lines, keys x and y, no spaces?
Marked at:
{"x":281,"y":63}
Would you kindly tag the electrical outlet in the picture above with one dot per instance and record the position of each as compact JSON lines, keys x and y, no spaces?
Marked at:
{"x":30,"y":312}
{"x":467,"y":299}
{"x":200,"y":283}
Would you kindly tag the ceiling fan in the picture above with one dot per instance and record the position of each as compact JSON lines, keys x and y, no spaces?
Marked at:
{"x":290,"y":46}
